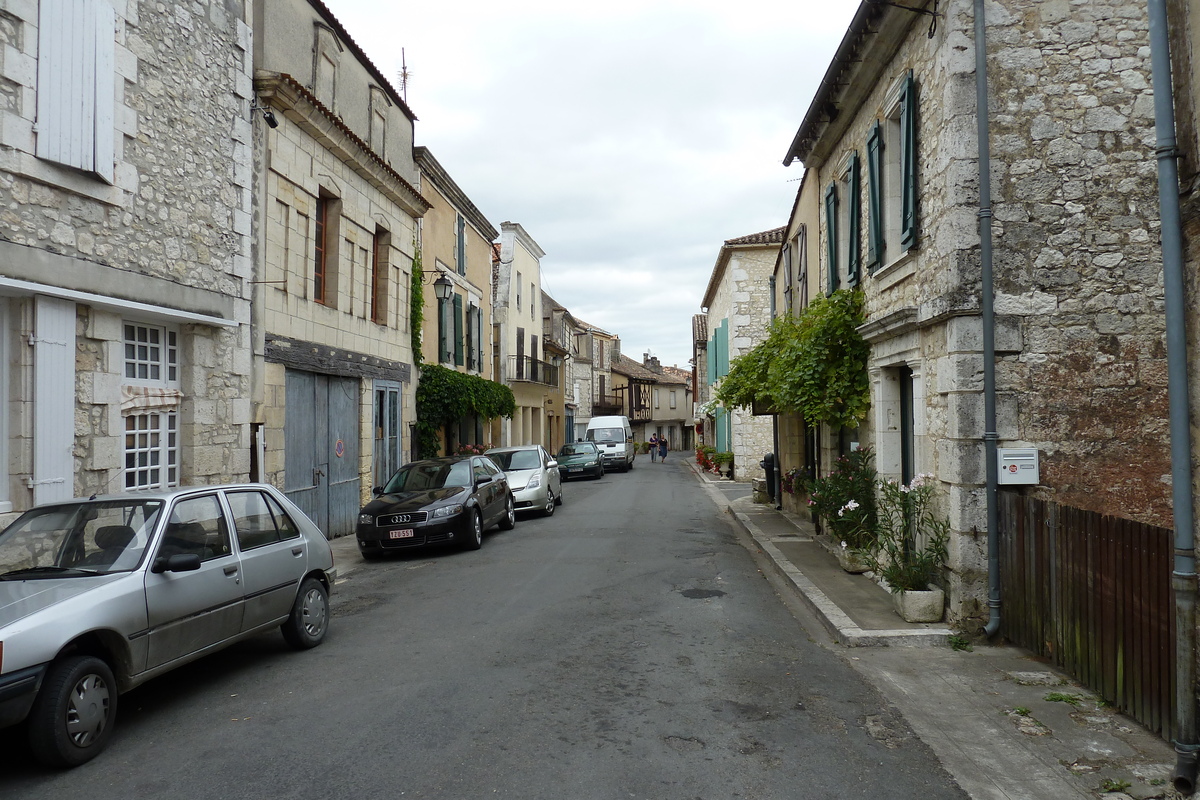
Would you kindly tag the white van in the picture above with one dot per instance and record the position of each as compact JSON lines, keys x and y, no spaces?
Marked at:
{"x":614,"y":437}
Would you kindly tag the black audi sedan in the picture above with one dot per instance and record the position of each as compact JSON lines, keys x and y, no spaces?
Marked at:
{"x":449,"y":501}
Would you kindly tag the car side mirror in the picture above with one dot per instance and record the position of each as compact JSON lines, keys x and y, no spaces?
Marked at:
{"x":377,"y":490}
{"x":551,"y":464}
{"x":180,"y":562}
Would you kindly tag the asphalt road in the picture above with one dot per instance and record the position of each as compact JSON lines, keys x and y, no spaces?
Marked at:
{"x":627,"y":647}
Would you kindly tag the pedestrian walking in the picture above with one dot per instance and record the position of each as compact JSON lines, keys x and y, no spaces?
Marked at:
{"x":653,"y":447}
{"x":662,"y":449}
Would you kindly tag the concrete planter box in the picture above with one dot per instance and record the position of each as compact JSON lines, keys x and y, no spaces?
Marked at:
{"x":927,"y":606}
{"x":850,"y":561}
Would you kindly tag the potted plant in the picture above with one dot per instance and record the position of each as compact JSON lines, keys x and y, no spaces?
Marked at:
{"x":844,"y":501}
{"x":910,"y":549}
{"x":723,"y":461}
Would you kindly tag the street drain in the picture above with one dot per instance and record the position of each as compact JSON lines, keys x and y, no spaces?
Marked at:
{"x":700,"y":594}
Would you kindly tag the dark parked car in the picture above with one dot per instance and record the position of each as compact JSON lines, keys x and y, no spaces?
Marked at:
{"x":450,"y":500}
{"x":579,"y":459}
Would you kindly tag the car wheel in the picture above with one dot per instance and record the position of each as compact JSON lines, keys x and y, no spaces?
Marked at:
{"x":551,"y":502}
{"x":558,"y":497}
{"x":72,"y":718}
{"x":474,"y":539}
{"x":309,"y":620}
{"x":509,"y":520}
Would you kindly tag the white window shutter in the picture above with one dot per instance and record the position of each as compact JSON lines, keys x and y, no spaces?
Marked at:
{"x":53,"y":400}
{"x":76,"y":84}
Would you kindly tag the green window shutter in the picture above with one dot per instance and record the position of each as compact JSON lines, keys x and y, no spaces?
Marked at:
{"x":461,"y":247}
{"x":443,"y":332}
{"x":831,"y":237}
{"x":458,"y":330}
{"x":908,"y":163}
{"x":723,"y":353}
{"x":875,"y":244}
{"x":854,"y":251}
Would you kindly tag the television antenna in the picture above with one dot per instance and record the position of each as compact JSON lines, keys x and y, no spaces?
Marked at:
{"x":404,"y":76}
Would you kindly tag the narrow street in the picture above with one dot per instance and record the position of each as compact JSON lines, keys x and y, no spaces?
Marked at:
{"x":627,"y":647}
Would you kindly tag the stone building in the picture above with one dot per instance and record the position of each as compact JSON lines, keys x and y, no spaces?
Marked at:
{"x":737,"y":302}
{"x":559,"y":343}
{"x":889,"y":143}
{"x":456,"y":244}
{"x":517,"y":332}
{"x":125,"y":276}
{"x":593,"y":380}
{"x":336,"y":226}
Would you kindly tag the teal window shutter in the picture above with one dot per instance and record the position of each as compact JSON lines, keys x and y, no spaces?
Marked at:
{"x":458,"y":330}
{"x":443,"y":332}
{"x":831,"y":237}
{"x":875,"y":244}
{"x":908,"y":163}
{"x":461,"y":246}
{"x":854,"y":251}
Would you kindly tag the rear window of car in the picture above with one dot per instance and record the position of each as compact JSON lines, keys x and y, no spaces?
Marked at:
{"x":258,"y":520}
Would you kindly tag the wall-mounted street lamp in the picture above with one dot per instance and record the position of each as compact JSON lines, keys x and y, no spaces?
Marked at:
{"x":442,"y":287}
{"x":267,"y":114}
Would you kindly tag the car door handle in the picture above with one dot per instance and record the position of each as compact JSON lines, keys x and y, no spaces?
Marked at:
{"x":231,"y":569}
{"x":297,"y":551}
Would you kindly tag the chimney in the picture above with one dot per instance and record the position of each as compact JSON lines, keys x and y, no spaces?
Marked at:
{"x":651,"y":363}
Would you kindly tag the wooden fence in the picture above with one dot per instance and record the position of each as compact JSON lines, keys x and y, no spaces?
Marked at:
{"x":1092,"y":594}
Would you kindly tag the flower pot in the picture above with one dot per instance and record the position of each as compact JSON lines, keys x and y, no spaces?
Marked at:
{"x":918,"y":606}
{"x":850,"y":560}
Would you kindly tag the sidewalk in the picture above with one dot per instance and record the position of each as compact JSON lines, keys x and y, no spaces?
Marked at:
{"x":1004,"y":724}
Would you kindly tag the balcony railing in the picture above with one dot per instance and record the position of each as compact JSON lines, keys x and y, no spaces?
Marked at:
{"x":604,"y":404}
{"x":527,"y":368}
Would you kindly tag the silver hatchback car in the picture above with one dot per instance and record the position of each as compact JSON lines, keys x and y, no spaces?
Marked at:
{"x":533,"y":476}
{"x":98,"y":596}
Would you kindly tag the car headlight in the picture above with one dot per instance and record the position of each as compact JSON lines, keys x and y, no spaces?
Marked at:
{"x":590,"y":463}
{"x":446,"y":511}
{"x":366,"y":519}
{"x":534,"y":481}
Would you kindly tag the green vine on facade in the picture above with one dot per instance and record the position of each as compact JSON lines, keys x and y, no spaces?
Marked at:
{"x":416,"y":302}
{"x":814,"y":365}
{"x":445,"y":396}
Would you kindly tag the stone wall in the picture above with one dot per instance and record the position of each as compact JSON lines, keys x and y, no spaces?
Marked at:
{"x":1081,"y":365}
{"x":166,"y":243}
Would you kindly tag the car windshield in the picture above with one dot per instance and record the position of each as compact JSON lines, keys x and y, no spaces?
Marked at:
{"x":420,"y":477}
{"x":517,"y":459}
{"x":577,"y":449}
{"x":78,"y":538}
{"x":606,"y":435}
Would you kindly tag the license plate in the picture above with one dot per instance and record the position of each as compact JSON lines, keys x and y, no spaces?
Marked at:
{"x":404,"y":533}
{"x":575,"y":469}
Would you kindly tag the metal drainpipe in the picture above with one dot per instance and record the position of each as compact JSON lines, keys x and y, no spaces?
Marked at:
{"x":1183,"y":577}
{"x":775,"y":479}
{"x":989,"y":320}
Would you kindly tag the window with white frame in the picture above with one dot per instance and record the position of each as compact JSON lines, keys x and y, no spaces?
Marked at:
{"x":150,"y":406}
{"x":892,"y":177}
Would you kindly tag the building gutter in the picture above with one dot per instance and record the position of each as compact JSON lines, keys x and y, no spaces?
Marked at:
{"x":1183,"y":577}
{"x":987,"y":309}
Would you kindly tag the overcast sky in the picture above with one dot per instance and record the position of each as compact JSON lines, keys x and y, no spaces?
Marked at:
{"x":630,"y":139}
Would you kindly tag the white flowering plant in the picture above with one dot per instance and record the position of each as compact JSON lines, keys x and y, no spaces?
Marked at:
{"x":911,"y":537}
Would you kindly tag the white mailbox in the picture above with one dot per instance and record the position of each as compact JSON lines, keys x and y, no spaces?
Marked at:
{"x":1019,"y":466}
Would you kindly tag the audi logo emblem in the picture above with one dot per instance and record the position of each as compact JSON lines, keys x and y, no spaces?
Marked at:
{"x":399,"y":518}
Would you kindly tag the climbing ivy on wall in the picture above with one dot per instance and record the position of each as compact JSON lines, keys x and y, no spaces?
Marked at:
{"x":814,"y":365}
{"x":444,"y":396}
{"x":416,"y":302}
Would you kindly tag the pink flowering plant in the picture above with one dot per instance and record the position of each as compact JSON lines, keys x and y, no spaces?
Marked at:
{"x":473,"y":449}
{"x":910,"y":548}
{"x":845,"y":500}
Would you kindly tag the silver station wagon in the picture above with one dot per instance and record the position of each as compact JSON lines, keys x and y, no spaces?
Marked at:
{"x":98,"y":596}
